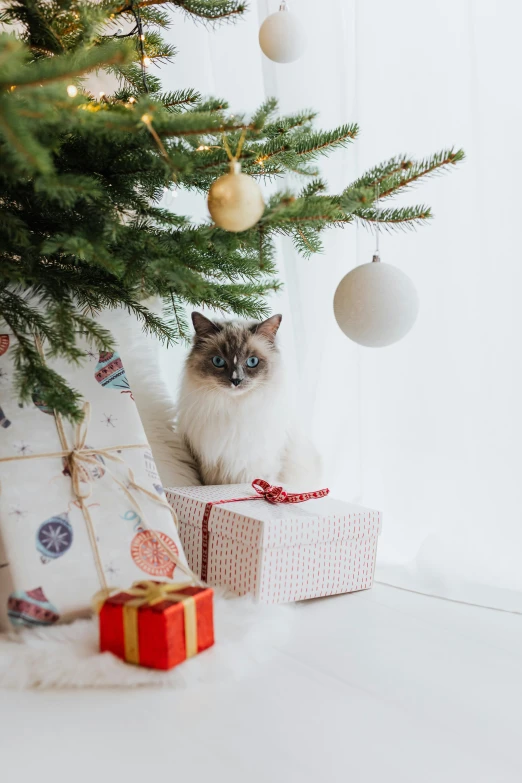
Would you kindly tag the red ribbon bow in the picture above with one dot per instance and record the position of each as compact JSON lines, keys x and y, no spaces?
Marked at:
{"x":265,"y":491}
{"x":278,"y":495}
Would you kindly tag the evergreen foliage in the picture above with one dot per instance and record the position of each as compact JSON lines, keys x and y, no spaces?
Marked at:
{"x":81,"y":229}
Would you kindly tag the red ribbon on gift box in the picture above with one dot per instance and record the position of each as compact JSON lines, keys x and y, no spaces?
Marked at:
{"x":265,"y":491}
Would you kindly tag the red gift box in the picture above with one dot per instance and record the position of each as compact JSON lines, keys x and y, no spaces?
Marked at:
{"x":157,"y":624}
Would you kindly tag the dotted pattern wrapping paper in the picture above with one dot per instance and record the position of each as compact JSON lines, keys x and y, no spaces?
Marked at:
{"x":280,"y":553}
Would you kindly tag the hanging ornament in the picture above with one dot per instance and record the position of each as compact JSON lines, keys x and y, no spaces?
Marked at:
{"x":376,"y":304}
{"x":54,"y":537}
{"x":282,"y":37}
{"x":4,"y":343}
{"x":235,"y":201}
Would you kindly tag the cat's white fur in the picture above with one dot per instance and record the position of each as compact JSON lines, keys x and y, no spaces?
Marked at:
{"x":256,"y":435}
{"x":240,"y":438}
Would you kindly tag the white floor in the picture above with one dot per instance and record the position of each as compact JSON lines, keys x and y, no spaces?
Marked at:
{"x":379,"y":686}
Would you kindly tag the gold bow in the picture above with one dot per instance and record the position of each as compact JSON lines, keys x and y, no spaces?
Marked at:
{"x":149,"y":593}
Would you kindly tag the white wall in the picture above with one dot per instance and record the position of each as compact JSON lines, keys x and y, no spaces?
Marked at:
{"x":429,"y":430}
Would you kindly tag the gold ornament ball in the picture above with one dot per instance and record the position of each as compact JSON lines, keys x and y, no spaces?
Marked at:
{"x":235,"y":201}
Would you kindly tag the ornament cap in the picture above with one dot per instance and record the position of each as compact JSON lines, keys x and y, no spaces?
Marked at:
{"x":376,"y":257}
{"x":234,"y":167}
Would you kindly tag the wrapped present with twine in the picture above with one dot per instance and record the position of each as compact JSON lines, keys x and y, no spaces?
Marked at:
{"x":81,"y":506}
{"x":156,"y":624}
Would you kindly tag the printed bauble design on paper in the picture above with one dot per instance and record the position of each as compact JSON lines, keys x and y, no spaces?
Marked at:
{"x":22,"y":448}
{"x":111,"y":571}
{"x":54,"y":537}
{"x":110,"y":372}
{"x":150,"y":465}
{"x":109,"y":419}
{"x":150,"y":556}
{"x":4,"y":343}
{"x":132,"y":516}
{"x":36,"y":397}
{"x":4,"y":421}
{"x":86,"y":470}
{"x":152,"y":471}
{"x":31,"y":608}
{"x":17,"y":512}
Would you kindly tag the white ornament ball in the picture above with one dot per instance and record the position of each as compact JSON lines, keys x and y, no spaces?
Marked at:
{"x":235,"y":201}
{"x":282,"y":37}
{"x":376,"y":304}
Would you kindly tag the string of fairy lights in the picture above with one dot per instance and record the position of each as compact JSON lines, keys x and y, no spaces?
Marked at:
{"x":246,"y":187}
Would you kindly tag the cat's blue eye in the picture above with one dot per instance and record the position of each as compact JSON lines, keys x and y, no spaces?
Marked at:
{"x":252,"y":361}
{"x":218,"y":361}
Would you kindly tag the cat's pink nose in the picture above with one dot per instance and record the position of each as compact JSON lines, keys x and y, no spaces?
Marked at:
{"x":236,"y":381}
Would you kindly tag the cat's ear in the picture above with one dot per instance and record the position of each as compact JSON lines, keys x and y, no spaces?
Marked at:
{"x":268,"y":329}
{"x":203,"y":326}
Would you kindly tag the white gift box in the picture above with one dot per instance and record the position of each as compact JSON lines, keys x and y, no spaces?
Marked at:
{"x":48,"y":567}
{"x":280,"y":553}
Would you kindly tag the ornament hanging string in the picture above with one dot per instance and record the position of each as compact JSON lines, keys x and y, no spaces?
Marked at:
{"x":377,"y":254}
{"x":234,"y":158}
{"x":147,"y":121}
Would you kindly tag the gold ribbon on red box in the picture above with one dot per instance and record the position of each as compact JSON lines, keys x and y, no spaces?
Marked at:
{"x":123,"y":637}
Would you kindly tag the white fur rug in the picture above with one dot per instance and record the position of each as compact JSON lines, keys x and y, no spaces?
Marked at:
{"x":66,"y":656}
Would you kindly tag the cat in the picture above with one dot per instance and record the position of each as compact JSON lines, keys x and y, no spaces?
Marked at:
{"x":235,"y":414}
{"x":272,"y":446}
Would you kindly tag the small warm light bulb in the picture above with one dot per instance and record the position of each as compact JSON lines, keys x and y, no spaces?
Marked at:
{"x":146,"y":119}
{"x":142,"y":37}
{"x":132,"y":99}
{"x":72,"y":91}
{"x":102,"y":94}
{"x":146,"y":62}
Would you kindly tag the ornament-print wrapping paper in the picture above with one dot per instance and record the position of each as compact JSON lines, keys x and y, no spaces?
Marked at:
{"x":279,"y":553}
{"x":47,"y":566}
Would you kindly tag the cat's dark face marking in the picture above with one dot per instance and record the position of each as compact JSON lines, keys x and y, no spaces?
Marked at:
{"x":233,"y":356}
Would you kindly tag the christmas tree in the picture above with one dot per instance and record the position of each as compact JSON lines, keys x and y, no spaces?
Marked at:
{"x":82,"y":177}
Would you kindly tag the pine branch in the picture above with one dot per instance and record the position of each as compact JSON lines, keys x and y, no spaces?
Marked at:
{"x":179,"y":99}
{"x":208,"y":10}
{"x":402,"y":217}
{"x":435,"y":164}
{"x":67,"y":66}
{"x":82,"y":226}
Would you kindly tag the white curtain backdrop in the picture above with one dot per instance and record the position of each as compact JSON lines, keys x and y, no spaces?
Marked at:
{"x":429,"y":430}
